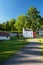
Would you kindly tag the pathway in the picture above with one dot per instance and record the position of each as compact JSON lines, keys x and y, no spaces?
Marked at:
{"x":30,"y":55}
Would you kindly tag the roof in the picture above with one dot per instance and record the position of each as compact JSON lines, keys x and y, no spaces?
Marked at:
{"x":4,"y":34}
{"x":28,"y":29}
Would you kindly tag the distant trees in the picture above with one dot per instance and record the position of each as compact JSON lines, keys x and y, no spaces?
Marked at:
{"x":8,"y":25}
{"x":2,"y":28}
{"x":32,"y":20}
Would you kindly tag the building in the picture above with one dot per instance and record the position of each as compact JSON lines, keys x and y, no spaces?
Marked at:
{"x":13,"y":34}
{"x":27,"y":33}
{"x":4,"y":36}
{"x":41,"y":32}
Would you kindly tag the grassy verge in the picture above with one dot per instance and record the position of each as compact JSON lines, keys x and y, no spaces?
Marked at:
{"x":42,"y":45}
{"x":10,"y":47}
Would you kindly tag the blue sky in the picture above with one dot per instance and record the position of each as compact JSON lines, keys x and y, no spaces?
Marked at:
{"x":13,"y":8}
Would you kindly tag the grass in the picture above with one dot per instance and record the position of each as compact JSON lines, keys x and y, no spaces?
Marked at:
{"x":10,"y":47}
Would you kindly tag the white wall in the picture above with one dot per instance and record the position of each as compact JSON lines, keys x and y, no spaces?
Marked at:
{"x":13,"y":34}
{"x":28,"y":34}
{"x":4,"y":38}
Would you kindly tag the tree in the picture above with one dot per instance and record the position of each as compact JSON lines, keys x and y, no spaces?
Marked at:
{"x":10,"y":25}
{"x":1,"y":27}
{"x":20,"y":23}
{"x":33,"y":14}
{"x":7,"y":26}
{"x":27,"y":22}
{"x":4,"y":26}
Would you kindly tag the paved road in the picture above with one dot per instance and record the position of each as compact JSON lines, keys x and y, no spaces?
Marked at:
{"x":30,"y":55}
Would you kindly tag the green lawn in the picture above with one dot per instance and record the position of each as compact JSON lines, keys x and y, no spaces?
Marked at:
{"x":8,"y":48}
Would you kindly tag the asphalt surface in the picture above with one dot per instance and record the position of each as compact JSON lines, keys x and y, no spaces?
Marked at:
{"x":29,"y":55}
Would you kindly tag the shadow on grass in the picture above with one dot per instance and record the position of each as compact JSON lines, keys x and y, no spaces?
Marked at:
{"x":10,"y":47}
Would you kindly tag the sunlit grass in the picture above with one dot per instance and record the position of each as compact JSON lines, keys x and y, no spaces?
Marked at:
{"x":10,"y":47}
{"x":40,"y":40}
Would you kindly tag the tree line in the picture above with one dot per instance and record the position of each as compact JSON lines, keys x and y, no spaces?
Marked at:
{"x":31,"y":20}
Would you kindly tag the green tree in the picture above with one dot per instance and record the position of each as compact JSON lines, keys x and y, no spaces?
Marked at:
{"x":4,"y":26}
{"x":27,"y":23}
{"x":7,"y":26}
{"x":23,"y":22}
{"x":20,"y":23}
{"x":34,"y":16}
{"x":10,"y":25}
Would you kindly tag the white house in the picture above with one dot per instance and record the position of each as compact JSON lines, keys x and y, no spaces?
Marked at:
{"x":4,"y":36}
{"x":27,"y":33}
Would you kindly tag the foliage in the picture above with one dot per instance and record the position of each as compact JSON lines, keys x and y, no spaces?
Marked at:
{"x":20,"y":23}
{"x":31,"y":20}
{"x":8,"y":25}
{"x":34,"y":16}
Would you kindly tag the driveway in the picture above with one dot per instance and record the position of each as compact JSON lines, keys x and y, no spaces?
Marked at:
{"x":29,"y":55}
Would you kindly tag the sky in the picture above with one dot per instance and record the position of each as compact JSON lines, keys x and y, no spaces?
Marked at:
{"x":13,"y":8}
